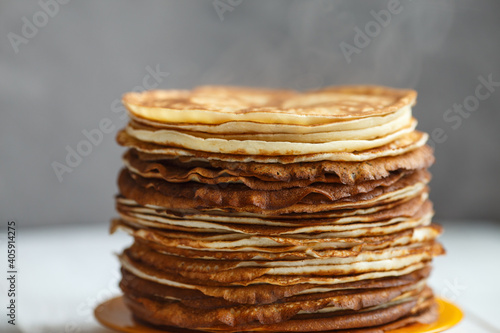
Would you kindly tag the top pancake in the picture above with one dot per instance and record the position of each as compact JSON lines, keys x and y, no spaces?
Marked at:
{"x":219,"y":104}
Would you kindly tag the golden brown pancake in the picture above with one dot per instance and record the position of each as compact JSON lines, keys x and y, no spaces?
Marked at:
{"x":266,"y":175}
{"x":213,"y":296}
{"x":210,"y":314}
{"x":174,"y":196}
{"x":219,"y":104}
{"x":234,"y":271}
{"x":243,"y":318}
{"x":401,"y":208}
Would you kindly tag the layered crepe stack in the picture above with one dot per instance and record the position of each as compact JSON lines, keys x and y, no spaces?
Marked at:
{"x":273,"y":210}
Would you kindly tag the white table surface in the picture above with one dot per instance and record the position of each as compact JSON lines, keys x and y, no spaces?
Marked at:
{"x":64,"y":272}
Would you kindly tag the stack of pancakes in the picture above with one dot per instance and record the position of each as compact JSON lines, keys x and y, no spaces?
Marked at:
{"x":274,"y":210}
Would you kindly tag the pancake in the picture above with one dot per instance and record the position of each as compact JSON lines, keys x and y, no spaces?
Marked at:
{"x":338,"y":247}
{"x":160,"y":222}
{"x":178,"y":315}
{"x":248,"y":127}
{"x":403,"y":144}
{"x":231,"y":273}
{"x":262,"y":294}
{"x":238,"y":315}
{"x":192,"y":281}
{"x":244,"y":194}
{"x":322,"y":134}
{"x":400,"y":208}
{"x":252,"y":146}
{"x":277,"y":248}
{"x":259,"y":175}
{"x":256,"y":184}
{"x":261,"y":210}
{"x":275,"y":294}
{"x":153,"y":220}
{"x":340,"y":259}
{"x":219,"y":104}
{"x":208,"y":198}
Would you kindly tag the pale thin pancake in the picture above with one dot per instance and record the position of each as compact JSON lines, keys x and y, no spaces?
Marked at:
{"x":193,"y":282}
{"x":216,"y":145}
{"x":409,"y":239}
{"x":366,"y":229}
{"x":286,"y":274}
{"x":219,"y":104}
{"x":276,"y":248}
{"x":154,"y":220}
{"x":219,"y":241}
{"x":372,"y":132}
{"x":157,"y":222}
{"x":234,"y":127}
{"x":223,"y":242}
{"x":403,"y":144}
{"x":301,"y":274}
{"x":148,"y":255}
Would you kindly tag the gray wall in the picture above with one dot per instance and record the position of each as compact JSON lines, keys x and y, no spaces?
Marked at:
{"x":65,"y":78}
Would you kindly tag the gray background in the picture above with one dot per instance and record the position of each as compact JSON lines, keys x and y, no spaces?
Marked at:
{"x":65,"y":78}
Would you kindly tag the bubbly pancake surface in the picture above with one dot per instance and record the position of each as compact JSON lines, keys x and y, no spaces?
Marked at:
{"x":274,"y":210}
{"x":218,"y":104}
